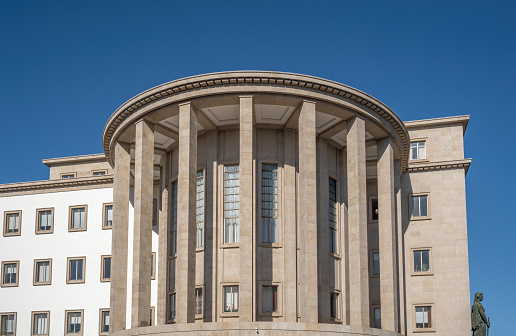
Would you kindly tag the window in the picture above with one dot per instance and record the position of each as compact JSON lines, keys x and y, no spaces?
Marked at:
{"x":12,"y":223}
{"x":332,"y":214}
{"x":44,"y":221}
{"x":375,"y":261}
{"x":199,"y":213}
{"x":77,"y":220}
{"x":8,"y":324}
{"x":99,"y":172}
{"x":105,"y":272}
{"x":67,"y":175}
{"x":153,"y":266}
{"x":198,"y":302}
{"x":172,"y":306}
{"x":173,"y":232}
{"x":373,"y":209}
{"x":74,"y":322}
{"x":423,"y":317}
{"x":418,"y":150}
{"x":10,"y":273}
{"x":154,"y":212}
{"x":269,"y":299}
{"x":151,"y":317}
{"x":107,"y":216}
{"x":377,"y":317}
{"x":75,"y":272}
{"x":230,"y":299}
{"x":231,"y":203}
{"x":42,"y":272}
{"x":334,"y":305}
{"x":40,"y":323}
{"x":104,"y":321}
{"x":422,"y":261}
{"x":419,"y":206}
{"x":269,"y":203}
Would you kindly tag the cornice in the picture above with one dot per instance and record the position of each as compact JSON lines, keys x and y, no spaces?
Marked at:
{"x":426,"y":166}
{"x":424,"y":123}
{"x":264,"y":78}
{"x":75,"y":159}
{"x":92,"y":182}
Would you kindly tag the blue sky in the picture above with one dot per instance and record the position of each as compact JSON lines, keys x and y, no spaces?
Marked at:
{"x":66,"y":66}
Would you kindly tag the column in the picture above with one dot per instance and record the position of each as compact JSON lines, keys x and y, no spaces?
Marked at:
{"x":246,"y":220}
{"x":119,"y":238}
{"x":343,"y":236}
{"x":387,"y":235}
{"x":400,"y":248}
{"x":308,"y":302}
{"x":142,"y":241}
{"x":185,"y":273}
{"x":163,"y":252}
{"x":357,"y":224}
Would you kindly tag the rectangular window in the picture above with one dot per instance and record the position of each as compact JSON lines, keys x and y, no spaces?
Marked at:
{"x":151,"y":320}
{"x":172,"y":305}
{"x":10,"y":273}
{"x":377,"y":317}
{"x":173,"y":231}
{"x":334,"y":305}
{"x":99,"y":172}
{"x":418,"y":150}
{"x":373,"y":209}
{"x":332,"y":214}
{"x":105,"y":272}
{"x":423,"y":317}
{"x":419,"y":205}
{"x":67,"y":175}
{"x":421,"y":261}
{"x":8,"y":324}
{"x":77,"y":220}
{"x":269,"y":299}
{"x":269,"y":203}
{"x":199,"y":213}
{"x":107,"y":216}
{"x":12,"y":223}
{"x":75,"y":272}
{"x":42,"y":272}
{"x":198,"y":302}
{"x":154,"y":212}
{"x":74,"y":322}
{"x":230,"y":299}
{"x":104,"y":322}
{"x":153,"y":266}
{"x":44,"y":221}
{"x":40,"y":323}
{"x":231,"y":203}
{"x":375,"y":260}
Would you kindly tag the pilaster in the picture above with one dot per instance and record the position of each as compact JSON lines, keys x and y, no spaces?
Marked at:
{"x":163,"y":252}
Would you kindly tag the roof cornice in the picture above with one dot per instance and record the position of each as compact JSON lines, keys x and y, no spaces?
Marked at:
{"x":75,"y":159}
{"x":441,"y":165}
{"x":425,"y":123}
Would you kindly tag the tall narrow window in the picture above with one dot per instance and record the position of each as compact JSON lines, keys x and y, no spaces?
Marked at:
{"x":231,"y":203}
{"x":198,"y":301}
{"x":104,"y":322}
{"x":334,"y":305}
{"x":230,"y":299}
{"x":269,"y":299}
{"x":153,"y":266}
{"x":376,"y":263}
{"x":74,"y":322}
{"x":332,"y":214}
{"x":422,"y":261}
{"x":8,"y":324}
{"x":173,"y":232}
{"x":418,"y":150}
{"x":419,"y":206}
{"x":105,"y":274}
{"x":44,"y":221}
{"x":12,"y":223}
{"x":107,"y":222}
{"x":154,"y":212}
{"x":77,"y":221}
{"x":377,"y":315}
{"x":424,"y":317}
{"x":269,"y":203}
{"x":76,"y":270}
{"x":199,"y":214}
{"x":42,"y":272}
{"x":10,"y":273}
{"x":172,"y":305}
{"x":40,"y":323}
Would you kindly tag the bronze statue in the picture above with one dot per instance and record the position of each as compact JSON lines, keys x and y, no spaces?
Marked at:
{"x":478,"y":317}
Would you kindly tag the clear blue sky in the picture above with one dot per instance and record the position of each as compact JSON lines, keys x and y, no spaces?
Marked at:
{"x":65,"y":66}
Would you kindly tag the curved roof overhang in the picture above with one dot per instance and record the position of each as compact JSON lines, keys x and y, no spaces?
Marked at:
{"x":255,"y":82}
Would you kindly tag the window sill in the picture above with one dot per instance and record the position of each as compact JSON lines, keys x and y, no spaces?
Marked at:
{"x":73,"y":282}
{"x":199,"y":249}
{"x":420,"y":218}
{"x":270,"y":245}
{"x":335,"y":320}
{"x":230,"y":245}
{"x":423,"y":330}
{"x":274,"y":314}
{"x":334,"y":255}
{"x":9,"y":285}
{"x":42,"y":283}
{"x":199,"y":316}
{"x":229,"y":314}
{"x":12,"y":234}
{"x":76,"y":230}
{"x":418,"y":161}
{"x":44,"y":232}
{"x":422,"y":273}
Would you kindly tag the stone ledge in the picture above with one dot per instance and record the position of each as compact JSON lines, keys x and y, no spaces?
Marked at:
{"x":426,"y":166}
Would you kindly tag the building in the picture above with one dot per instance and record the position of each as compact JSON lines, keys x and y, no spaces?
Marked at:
{"x":245,"y":203}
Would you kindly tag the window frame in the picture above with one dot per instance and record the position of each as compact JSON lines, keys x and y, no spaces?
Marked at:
{"x":152,"y":315}
{"x":14,"y":322}
{"x":155,"y":212}
{"x":103,"y":269}
{"x":223,"y":299}
{"x":173,"y":233}
{"x":12,"y":212}
{"x":425,"y":159}
{"x":338,"y":317}
{"x":70,"y":217}
{"x":373,"y":308}
{"x":370,"y":219}
{"x":371,"y":263}
{"x":201,"y":315}
{"x":104,"y":171}
{"x":32,"y":325}
{"x":232,"y":243}
{"x":431,"y":320}
{"x":68,"y":268}
{"x":81,"y":311}
{"x":9,"y":262}
{"x":73,"y":175}
{"x":171,"y":319}
{"x":35,"y":281}
{"x":428,"y":206}
{"x":430,"y":263}
{"x":153,"y":266}
{"x":101,"y":320}
{"x":104,"y":216}
{"x":335,"y":254}
{"x":279,"y":219}
{"x":279,"y":296}
{"x":203,"y":242}
{"x":37,"y":229}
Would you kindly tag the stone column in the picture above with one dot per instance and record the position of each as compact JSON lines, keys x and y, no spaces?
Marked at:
{"x":163,"y":241}
{"x":246,"y":220}
{"x":186,"y":193}
{"x":307,"y":200}
{"x":142,"y":242}
{"x":119,"y":238}
{"x":289,"y":196}
{"x":344,"y":237}
{"x":357,"y":224}
{"x":387,"y":235}
{"x":400,"y":248}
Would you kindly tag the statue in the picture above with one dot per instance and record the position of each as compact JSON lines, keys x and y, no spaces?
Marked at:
{"x":478,"y":317}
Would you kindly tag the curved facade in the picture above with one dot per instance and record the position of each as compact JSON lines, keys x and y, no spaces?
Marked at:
{"x":276,"y":198}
